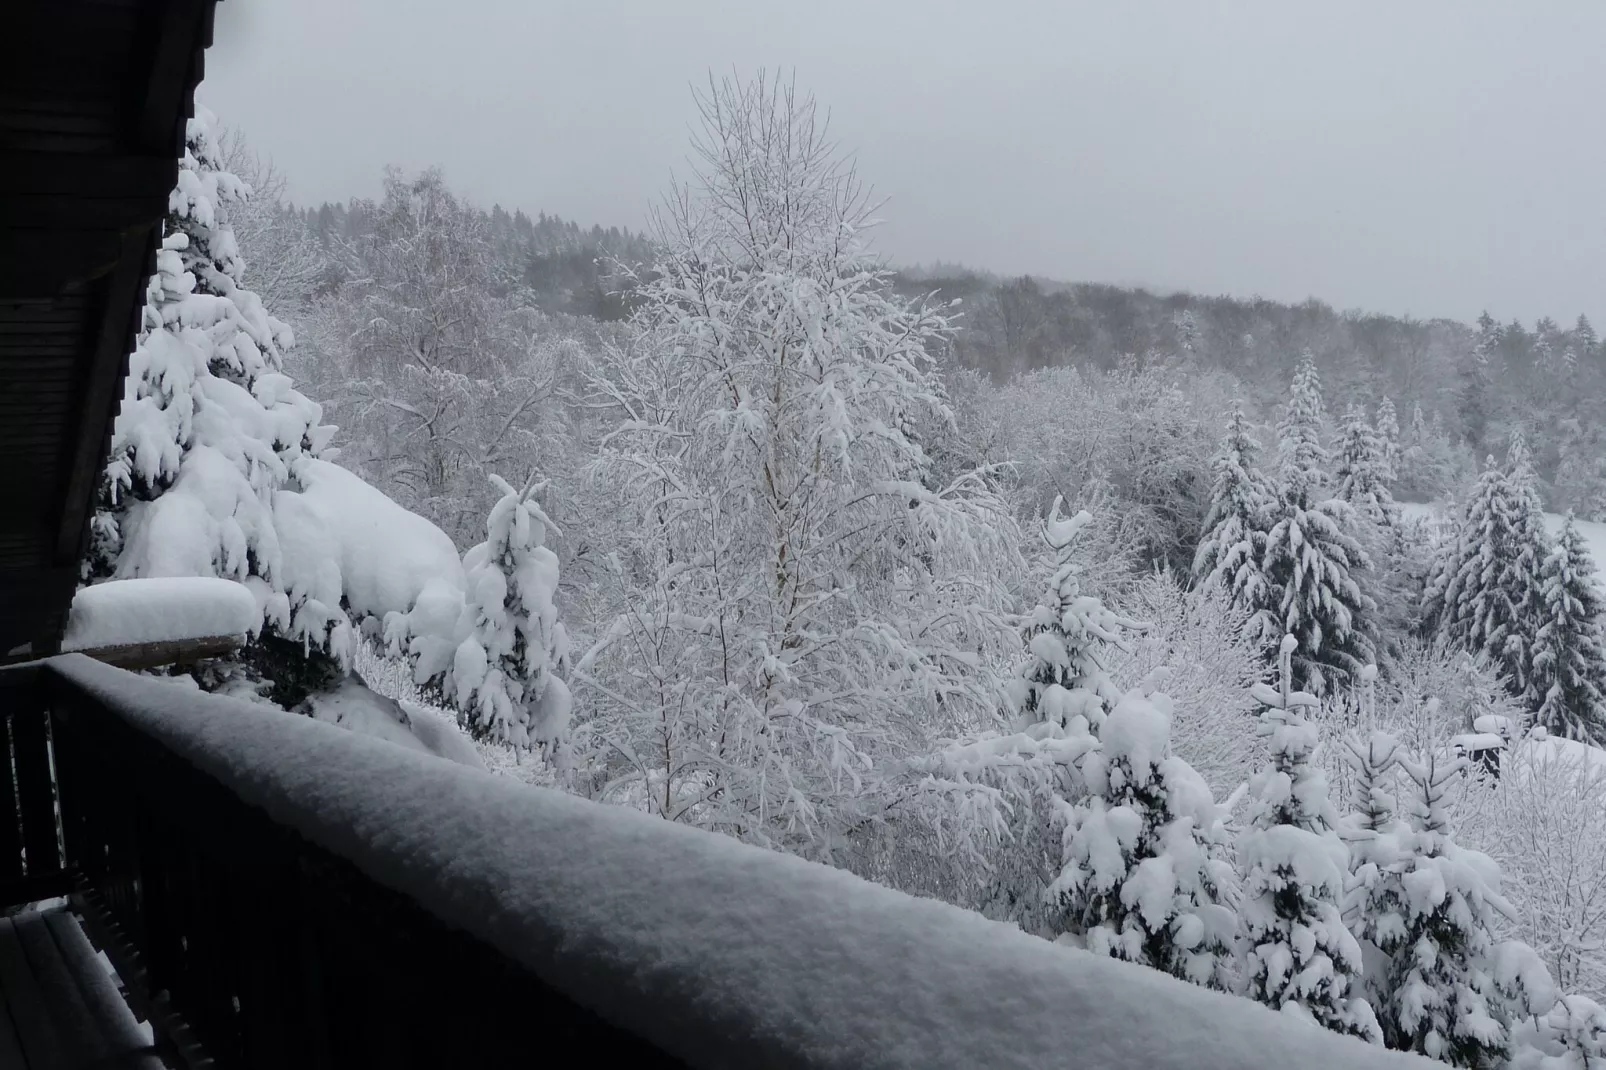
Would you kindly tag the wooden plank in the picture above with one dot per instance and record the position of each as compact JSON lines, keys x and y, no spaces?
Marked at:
{"x":174,"y":72}
{"x":35,"y":793}
{"x":102,"y":388}
{"x":93,"y":177}
{"x":32,"y":1018}
{"x":10,"y":1043}
{"x":154,"y":1007}
{"x":10,"y":824}
{"x":124,"y":1038}
{"x":170,"y":652}
{"x":80,"y":1036}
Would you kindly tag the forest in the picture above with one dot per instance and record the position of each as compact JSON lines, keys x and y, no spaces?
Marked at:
{"x":1259,"y":644}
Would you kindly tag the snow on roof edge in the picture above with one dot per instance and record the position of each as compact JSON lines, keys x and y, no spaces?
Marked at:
{"x":723,"y":954}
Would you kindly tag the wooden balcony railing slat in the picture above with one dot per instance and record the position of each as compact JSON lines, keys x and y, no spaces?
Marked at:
{"x":30,"y":744}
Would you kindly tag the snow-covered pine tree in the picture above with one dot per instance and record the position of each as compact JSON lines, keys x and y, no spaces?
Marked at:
{"x":1491,"y":599}
{"x":1300,"y":955}
{"x":209,"y":428}
{"x":1437,"y":931}
{"x":1313,"y":560}
{"x":1388,"y":432}
{"x":1302,"y":459}
{"x":1145,"y":877}
{"x":1233,"y":544}
{"x":1067,"y":636}
{"x":1374,"y":832}
{"x":1569,"y":652}
{"x":1059,"y":696}
{"x":504,"y":678}
{"x":1363,"y":470}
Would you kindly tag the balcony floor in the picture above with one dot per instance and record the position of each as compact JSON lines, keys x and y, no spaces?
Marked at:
{"x":59,"y":1006}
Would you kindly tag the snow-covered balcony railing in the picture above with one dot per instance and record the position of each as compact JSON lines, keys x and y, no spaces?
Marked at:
{"x":279,"y":892}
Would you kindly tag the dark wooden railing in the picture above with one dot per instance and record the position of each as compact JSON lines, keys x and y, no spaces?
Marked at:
{"x":239,"y":940}
{"x":31,"y":863}
{"x":277,"y":892}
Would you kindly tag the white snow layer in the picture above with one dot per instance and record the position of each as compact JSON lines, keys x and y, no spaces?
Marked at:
{"x":720,"y":953}
{"x":357,"y":708}
{"x":123,"y":612}
{"x":344,"y":537}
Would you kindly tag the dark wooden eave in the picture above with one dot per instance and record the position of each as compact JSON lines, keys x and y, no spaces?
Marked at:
{"x":94,"y":95}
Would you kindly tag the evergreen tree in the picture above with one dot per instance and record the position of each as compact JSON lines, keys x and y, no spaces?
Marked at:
{"x":1144,"y":875}
{"x":1436,"y":927}
{"x":1388,"y":432}
{"x":1234,"y":541}
{"x":210,"y":428}
{"x":1313,"y":560}
{"x":1068,"y":637}
{"x":1569,"y":654}
{"x":1476,"y":392}
{"x":1302,"y":459}
{"x":504,"y":676}
{"x":1584,"y":331}
{"x":1301,"y":957}
{"x":1363,"y":470}
{"x":1491,"y":600}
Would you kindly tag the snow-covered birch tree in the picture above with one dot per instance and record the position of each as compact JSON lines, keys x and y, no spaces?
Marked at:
{"x":797,"y":607}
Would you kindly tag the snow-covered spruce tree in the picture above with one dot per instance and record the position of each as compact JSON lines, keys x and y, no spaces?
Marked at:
{"x":1569,"y":652}
{"x":1491,"y":599}
{"x":1145,"y":877}
{"x":1363,"y":470}
{"x":1373,"y":831}
{"x":210,"y":428}
{"x":1313,"y":560}
{"x":1061,"y":693}
{"x":794,"y":612}
{"x":1233,"y":545}
{"x":1388,"y":433}
{"x":1436,"y":930}
{"x":1067,"y":637}
{"x":1300,"y":956}
{"x":504,"y":677}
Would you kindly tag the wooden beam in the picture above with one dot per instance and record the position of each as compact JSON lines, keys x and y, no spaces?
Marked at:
{"x":41,"y":263}
{"x":99,"y":391}
{"x":169,"y":652}
{"x":75,"y":175}
{"x":176,"y":68}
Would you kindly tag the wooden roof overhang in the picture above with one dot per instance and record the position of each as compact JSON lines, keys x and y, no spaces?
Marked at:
{"x":94,"y":95}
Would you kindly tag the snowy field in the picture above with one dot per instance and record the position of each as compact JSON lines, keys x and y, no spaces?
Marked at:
{"x":1594,"y":534}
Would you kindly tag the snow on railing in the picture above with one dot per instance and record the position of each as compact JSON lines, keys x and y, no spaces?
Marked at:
{"x":144,"y":622}
{"x":718,"y":953}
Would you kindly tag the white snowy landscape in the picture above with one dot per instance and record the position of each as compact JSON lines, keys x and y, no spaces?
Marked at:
{"x":1083,"y":654}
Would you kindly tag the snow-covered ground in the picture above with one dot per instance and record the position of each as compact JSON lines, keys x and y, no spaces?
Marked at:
{"x":1594,"y":534}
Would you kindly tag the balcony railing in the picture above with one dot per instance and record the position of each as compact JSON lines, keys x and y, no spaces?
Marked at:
{"x":277,"y":892}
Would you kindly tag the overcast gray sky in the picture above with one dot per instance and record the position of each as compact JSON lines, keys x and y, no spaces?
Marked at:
{"x":1434,"y":157}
